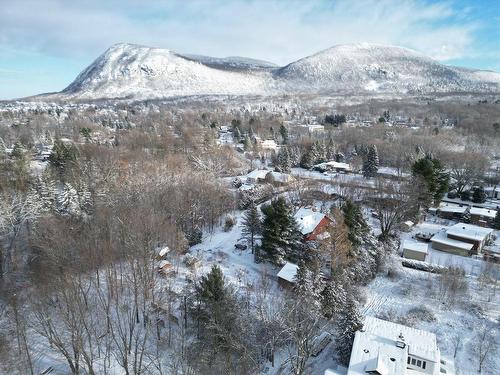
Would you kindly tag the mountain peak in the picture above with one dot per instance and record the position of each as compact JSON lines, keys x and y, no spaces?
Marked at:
{"x":133,"y":71}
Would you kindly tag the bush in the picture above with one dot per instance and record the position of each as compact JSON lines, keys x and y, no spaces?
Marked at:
{"x":194,"y":236}
{"x":229,"y":223}
{"x":419,"y":314}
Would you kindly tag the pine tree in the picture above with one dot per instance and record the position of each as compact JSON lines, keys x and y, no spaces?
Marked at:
{"x":496,"y":221}
{"x":435,"y":177}
{"x":479,"y":195}
{"x":346,"y":326}
{"x":294,"y":152}
{"x":281,"y":237}
{"x":330,"y":150}
{"x":67,"y":202}
{"x":333,"y":298}
{"x":353,"y":218}
{"x":284,"y":134}
{"x":307,"y":160}
{"x":251,"y":224}
{"x":318,"y":152}
{"x":283,"y":162}
{"x":247,"y":143}
{"x":211,"y":288}
{"x":371,"y":164}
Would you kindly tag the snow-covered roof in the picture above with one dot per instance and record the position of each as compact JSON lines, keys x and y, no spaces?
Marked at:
{"x":375,"y":347}
{"x":288,"y":272}
{"x":164,"y":251}
{"x":483,"y":212}
{"x":452,"y":208}
{"x":442,"y":238}
{"x":469,"y":231}
{"x":415,"y":246}
{"x":333,"y":164}
{"x":258,"y":174}
{"x":308,"y":219}
{"x":409,"y":223}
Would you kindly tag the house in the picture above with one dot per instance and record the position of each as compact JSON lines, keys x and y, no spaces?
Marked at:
{"x":286,"y":276}
{"x":256,"y":176}
{"x":451,"y":211}
{"x":313,"y":224}
{"x":385,"y":348}
{"x":461,"y":239}
{"x":415,"y":250}
{"x":332,"y":166}
{"x":482,"y":216}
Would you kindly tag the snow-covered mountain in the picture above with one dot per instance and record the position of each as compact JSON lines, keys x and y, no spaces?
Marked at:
{"x":385,"y":69}
{"x":138,"y":72}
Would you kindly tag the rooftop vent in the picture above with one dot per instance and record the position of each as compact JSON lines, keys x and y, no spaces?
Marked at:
{"x":400,"y":344}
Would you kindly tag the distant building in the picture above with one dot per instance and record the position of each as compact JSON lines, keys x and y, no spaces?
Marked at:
{"x":492,"y":192}
{"x":312,"y":224}
{"x":386,"y":348}
{"x":332,"y":166}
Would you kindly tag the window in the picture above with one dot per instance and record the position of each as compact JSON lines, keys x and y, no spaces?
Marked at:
{"x":419,"y":363}
{"x":413,"y":361}
{"x":409,"y":359}
{"x":423,"y":364}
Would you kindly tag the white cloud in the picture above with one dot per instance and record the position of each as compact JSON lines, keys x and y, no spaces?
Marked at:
{"x":279,"y":31}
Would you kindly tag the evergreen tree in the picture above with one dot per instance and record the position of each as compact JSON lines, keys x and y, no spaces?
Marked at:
{"x":62,"y":155}
{"x":294,"y":152}
{"x":251,"y":224}
{"x":479,"y":195}
{"x":333,"y":298}
{"x":281,"y":237}
{"x":284,"y":134}
{"x":353,"y":218}
{"x":346,"y":325}
{"x":435,"y":178}
{"x":496,"y":221}
{"x":247,"y":143}
{"x":283,"y":162}
{"x":330,"y":150}
{"x":307,"y":161}
{"x":67,"y":202}
{"x":371,"y":164}
{"x":318,"y":152}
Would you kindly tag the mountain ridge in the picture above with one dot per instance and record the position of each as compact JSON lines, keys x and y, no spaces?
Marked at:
{"x":131,"y":71}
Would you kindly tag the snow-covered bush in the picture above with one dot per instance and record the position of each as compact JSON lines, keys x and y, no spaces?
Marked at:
{"x":229,"y":223}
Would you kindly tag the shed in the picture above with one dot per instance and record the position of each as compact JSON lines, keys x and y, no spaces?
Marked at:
{"x":415,"y":250}
{"x":286,"y":275}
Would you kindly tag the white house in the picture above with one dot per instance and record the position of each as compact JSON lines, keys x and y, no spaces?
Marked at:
{"x":387,"y":348}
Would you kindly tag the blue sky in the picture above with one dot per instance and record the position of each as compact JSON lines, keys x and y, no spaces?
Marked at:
{"x":44,"y":44}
